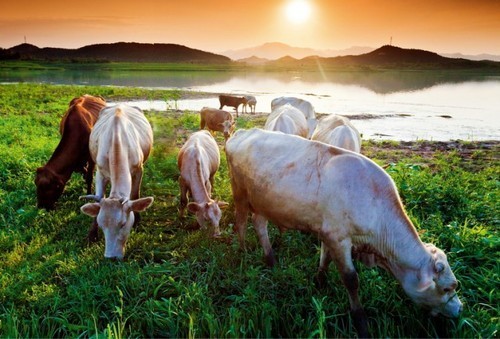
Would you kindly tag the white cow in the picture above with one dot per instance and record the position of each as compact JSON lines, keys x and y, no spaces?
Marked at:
{"x":302,"y":105}
{"x":287,"y":119}
{"x":338,"y":131}
{"x":198,"y":161}
{"x":345,"y":198}
{"x":120,"y":143}
{"x":251,"y":102}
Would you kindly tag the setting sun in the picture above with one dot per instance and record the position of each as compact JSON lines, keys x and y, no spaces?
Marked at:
{"x":298,"y":11}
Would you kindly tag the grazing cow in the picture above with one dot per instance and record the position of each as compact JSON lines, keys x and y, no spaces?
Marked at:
{"x":120,"y":143}
{"x":287,"y":119}
{"x":233,"y":101}
{"x":217,"y":120}
{"x":302,"y":105}
{"x":350,"y":202}
{"x":251,"y":102}
{"x":337,"y":130}
{"x":72,"y":153}
{"x":198,"y":160}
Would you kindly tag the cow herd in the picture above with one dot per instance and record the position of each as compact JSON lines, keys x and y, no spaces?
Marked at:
{"x":297,"y":172}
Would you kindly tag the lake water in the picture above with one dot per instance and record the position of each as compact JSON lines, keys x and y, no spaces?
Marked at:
{"x":394,"y":105}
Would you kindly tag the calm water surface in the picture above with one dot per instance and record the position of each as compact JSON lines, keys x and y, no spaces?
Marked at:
{"x":399,"y":105}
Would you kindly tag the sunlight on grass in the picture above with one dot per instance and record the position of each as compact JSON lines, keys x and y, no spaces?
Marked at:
{"x":179,"y":281}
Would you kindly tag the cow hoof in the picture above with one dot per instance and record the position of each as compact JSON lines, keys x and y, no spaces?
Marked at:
{"x":270,"y":260}
{"x":320,"y":280}
{"x":360,"y":321}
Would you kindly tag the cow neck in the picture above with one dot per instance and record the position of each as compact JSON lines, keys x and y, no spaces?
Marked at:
{"x":119,"y":167}
{"x":67,"y":155}
{"x":401,"y":248}
{"x":198,"y":187}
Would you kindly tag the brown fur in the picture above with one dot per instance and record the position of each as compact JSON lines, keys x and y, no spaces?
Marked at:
{"x":72,"y":153}
{"x":233,"y":101}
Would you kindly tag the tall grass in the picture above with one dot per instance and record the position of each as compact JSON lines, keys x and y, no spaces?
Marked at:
{"x":177,"y":281}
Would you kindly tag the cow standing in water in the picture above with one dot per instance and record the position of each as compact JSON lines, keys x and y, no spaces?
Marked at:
{"x":72,"y":153}
{"x":233,"y":101}
{"x":120,"y":143}
{"x":349,"y":201}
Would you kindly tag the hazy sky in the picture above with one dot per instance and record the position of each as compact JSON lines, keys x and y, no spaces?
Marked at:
{"x":444,"y":26}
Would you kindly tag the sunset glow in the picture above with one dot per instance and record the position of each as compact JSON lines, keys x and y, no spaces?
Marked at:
{"x":445,"y":26}
{"x":298,"y":11}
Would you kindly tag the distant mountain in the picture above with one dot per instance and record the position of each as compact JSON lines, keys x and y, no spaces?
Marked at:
{"x":385,"y":57}
{"x":473,"y":57}
{"x":120,"y":51}
{"x":253,"y":60}
{"x":276,"y":50}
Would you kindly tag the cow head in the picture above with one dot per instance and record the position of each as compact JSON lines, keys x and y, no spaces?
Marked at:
{"x":208,"y":211}
{"x":433,"y":286}
{"x":227,"y":128}
{"x":115,"y":217}
{"x":49,"y":187}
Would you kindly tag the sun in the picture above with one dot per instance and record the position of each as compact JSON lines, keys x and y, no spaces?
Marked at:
{"x":298,"y":11}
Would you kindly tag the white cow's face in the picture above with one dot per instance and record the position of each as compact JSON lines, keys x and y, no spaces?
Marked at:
{"x":208,"y":212}
{"x":434,"y":285}
{"x":115,"y":217}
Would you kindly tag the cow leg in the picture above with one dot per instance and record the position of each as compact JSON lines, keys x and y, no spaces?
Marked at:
{"x":324,"y":260}
{"x":89,"y":175}
{"x":93,"y":235}
{"x":100,"y":184}
{"x":341,"y":253}
{"x":184,"y":199}
{"x":340,"y":248}
{"x":136,"y":192}
{"x":260,"y":225}
{"x":240,"y":226}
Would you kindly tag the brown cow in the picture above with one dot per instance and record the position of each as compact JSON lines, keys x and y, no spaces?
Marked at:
{"x":72,"y":153}
{"x":233,"y":101}
{"x":217,"y":120}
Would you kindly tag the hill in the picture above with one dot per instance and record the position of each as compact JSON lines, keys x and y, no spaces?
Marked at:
{"x":385,"y":57}
{"x":120,"y":51}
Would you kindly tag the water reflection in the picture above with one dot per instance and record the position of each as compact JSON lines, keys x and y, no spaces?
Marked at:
{"x":403,"y":105}
{"x":380,"y":82}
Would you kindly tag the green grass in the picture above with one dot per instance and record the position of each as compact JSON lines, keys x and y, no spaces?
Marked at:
{"x":179,"y":282}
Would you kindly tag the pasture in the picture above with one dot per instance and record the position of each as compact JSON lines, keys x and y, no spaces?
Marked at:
{"x":177,"y":281}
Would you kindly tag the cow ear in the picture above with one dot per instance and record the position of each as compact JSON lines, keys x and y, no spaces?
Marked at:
{"x":222,"y":204}
{"x":139,"y":205}
{"x":91,"y":209}
{"x":194,"y":207}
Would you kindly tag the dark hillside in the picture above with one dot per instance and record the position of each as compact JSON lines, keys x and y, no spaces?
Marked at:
{"x":120,"y":51}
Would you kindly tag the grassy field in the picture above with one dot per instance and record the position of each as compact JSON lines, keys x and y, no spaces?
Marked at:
{"x":177,"y":281}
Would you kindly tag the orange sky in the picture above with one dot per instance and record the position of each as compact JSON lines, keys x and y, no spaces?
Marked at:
{"x":444,"y":26}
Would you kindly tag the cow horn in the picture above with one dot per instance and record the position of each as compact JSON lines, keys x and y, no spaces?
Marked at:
{"x":90,"y":196}
{"x":123,"y":200}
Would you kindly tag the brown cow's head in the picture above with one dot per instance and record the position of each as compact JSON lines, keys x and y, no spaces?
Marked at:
{"x":49,"y":187}
{"x":228,"y":128}
{"x":115,"y":217}
{"x":433,"y":286}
